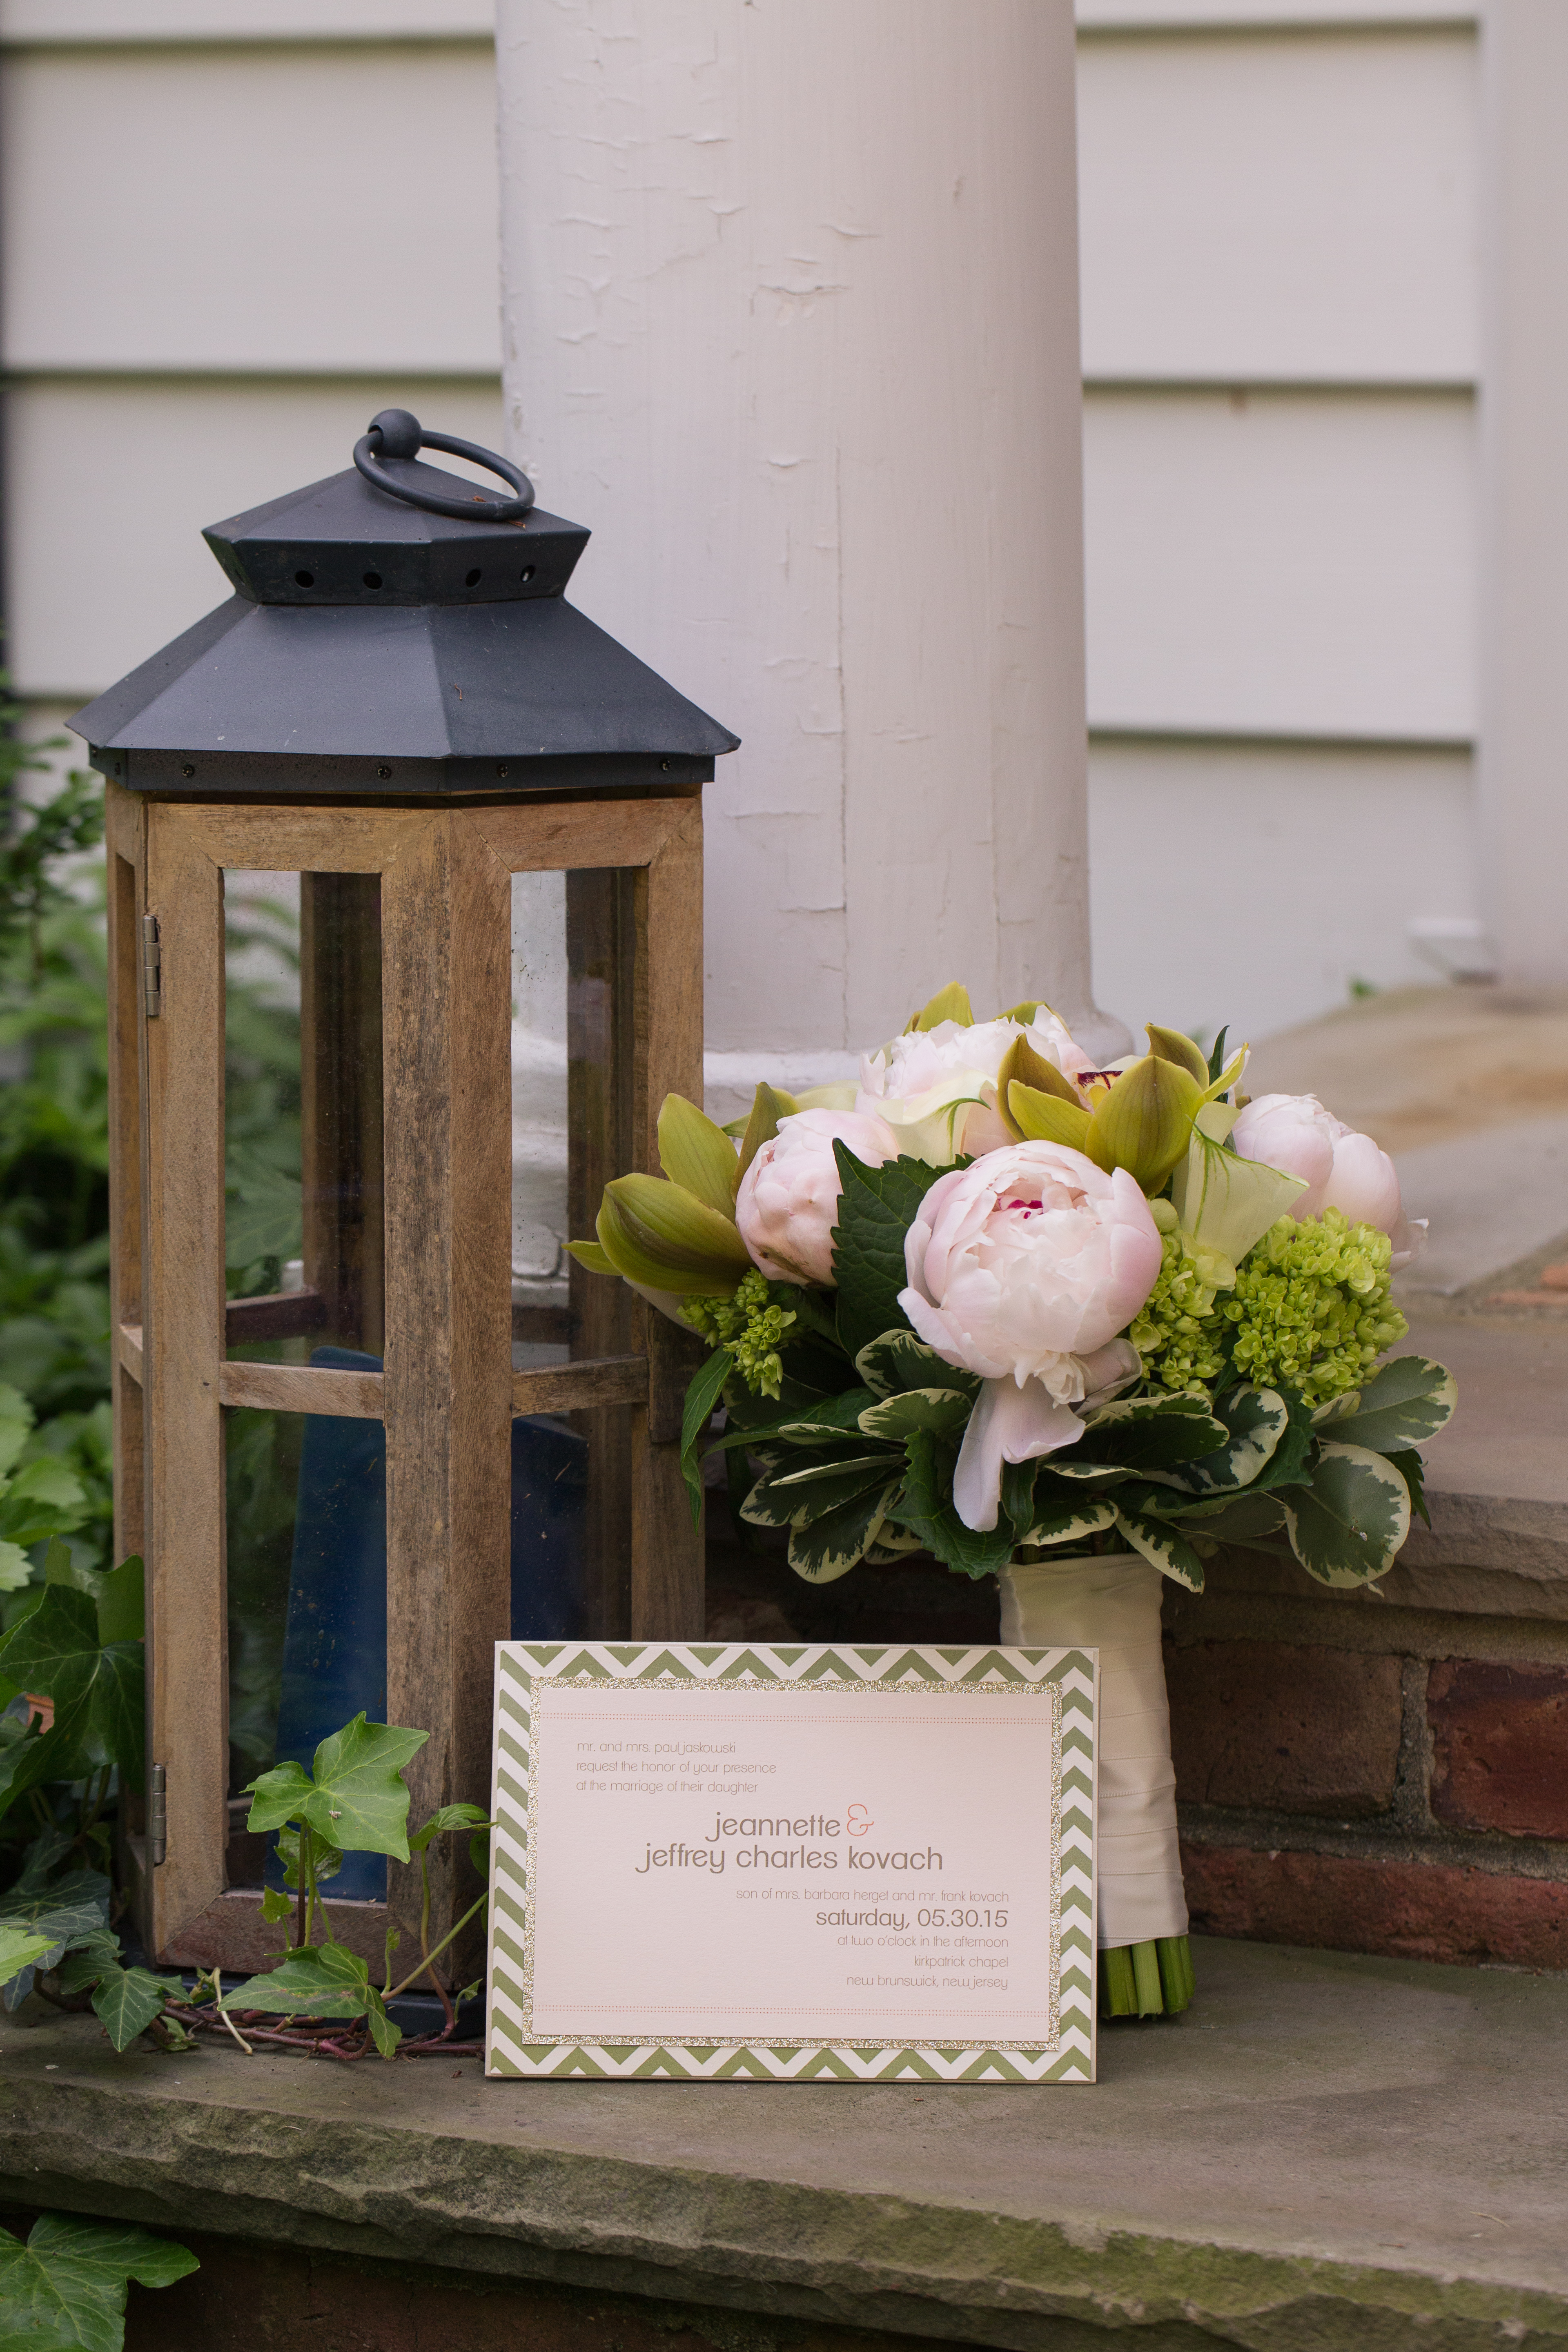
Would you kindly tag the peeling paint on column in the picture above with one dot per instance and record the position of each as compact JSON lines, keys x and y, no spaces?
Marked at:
{"x":790,"y":310}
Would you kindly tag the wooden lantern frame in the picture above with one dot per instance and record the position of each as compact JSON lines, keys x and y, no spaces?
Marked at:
{"x":449,"y":1392}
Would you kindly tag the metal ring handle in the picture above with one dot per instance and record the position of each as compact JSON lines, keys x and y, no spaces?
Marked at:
{"x":395,"y":433}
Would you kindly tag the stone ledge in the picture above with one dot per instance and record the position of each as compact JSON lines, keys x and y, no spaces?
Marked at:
{"x":1326,"y":2150}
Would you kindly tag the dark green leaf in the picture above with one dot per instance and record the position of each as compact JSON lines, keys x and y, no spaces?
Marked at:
{"x":326,"y":1859}
{"x":1150,"y":1435}
{"x":121,"y":1607}
{"x":98,"y":1693}
{"x":876,"y":1208}
{"x":319,"y":1980}
{"x":127,"y":2000}
{"x":1347,"y":1526}
{"x":65,"y":2290}
{"x":1242,"y":1519}
{"x":701,"y":1397}
{"x":925,"y":1507}
{"x":1403,"y":1404}
{"x":1216,"y":1059}
{"x":384,"y":2033}
{"x":1412,"y":1469}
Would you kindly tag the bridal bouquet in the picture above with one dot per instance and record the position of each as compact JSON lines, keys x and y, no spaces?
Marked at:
{"x":1073,"y":1326}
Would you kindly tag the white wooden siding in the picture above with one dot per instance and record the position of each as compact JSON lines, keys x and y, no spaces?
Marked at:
{"x":323,"y":209}
{"x":1279,"y":210}
{"x":1254,"y":885}
{"x":1279,"y":227}
{"x":241,"y":20}
{"x":136,"y":468}
{"x":1265,"y":563}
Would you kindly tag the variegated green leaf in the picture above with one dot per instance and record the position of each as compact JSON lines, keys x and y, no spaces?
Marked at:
{"x":1403,"y":1404}
{"x":1256,"y":1420}
{"x":898,"y":1361}
{"x":1070,"y":1525}
{"x":835,"y":1468}
{"x":1346,"y":1528}
{"x":831,"y":1546}
{"x":936,"y":1409}
{"x":1238,"y":1518}
{"x":1164,"y":1548}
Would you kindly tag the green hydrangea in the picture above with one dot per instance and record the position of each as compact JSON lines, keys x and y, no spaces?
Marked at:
{"x":1178,"y":1332}
{"x":1311,"y":1306}
{"x":751,"y":1325}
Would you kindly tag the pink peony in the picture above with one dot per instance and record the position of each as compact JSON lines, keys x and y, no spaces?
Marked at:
{"x":1343,"y":1170}
{"x":1026,"y":1267}
{"x":788,"y":1199}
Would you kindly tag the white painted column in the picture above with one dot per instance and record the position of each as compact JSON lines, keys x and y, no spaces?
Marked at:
{"x":791,"y":321}
{"x":1524,"y":436}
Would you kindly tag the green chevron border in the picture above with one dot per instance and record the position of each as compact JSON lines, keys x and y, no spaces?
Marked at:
{"x":1069,"y":1675}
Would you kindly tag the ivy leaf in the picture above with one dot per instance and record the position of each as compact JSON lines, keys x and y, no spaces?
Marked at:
{"x":1346,"y":1528}
{"x":44,"y":1497}
{"x":98,"y":1691}
{"x":21,"y":1947}
{"x":1402,"y":1405}
{"x":263,"y":1217}
{"x":876,"y":1208}
{"x":450,"y":1817}
{"x":317,"y":1980}
{"x":361,"y":1802}
{"x":275,"y":1905}
{"x":65,"y":2290}
{"x":121,"y":1602}
{"x":279,"y":1796}
{"x":702,"y":1396}
{"x":326,"y":1859}
{"x":16,"y":1424}
{"x":384,"y":2033}
{"x":127,"y":2000}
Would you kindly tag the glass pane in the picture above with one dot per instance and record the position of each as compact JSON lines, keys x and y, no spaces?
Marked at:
{"x":307,"y":1603}
{"x":303,"y":1227}
{"x":571,"y":950}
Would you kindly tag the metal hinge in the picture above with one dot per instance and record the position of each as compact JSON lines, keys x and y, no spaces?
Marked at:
{"x":152,"y":968}
{"x":158,"y":1814}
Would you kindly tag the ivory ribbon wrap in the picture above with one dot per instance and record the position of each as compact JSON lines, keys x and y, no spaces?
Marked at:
{"x":1114,"y":1605}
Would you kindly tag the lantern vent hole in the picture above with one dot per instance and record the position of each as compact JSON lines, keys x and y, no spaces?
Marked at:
{"x":304,"y":579}
{"x":372,"y":579}
{"x":473,"y":578}
{"x":527,"y":572}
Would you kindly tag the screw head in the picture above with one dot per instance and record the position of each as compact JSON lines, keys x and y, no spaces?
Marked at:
{"x":384,"y":773}
{"x":501,"y":767}
{"x":187,"y":770}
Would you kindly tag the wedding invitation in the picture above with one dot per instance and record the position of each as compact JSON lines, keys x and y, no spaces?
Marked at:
{"x":737,"y":1861}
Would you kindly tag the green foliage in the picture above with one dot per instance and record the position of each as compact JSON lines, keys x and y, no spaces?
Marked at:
{"x":65,"y":2289}
{"x":876,"y":1208}
{"x":355,"y":1796}
{"x":1311,"y":1308}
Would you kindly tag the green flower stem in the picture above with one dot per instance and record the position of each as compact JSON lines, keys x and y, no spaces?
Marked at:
{"x":1152,"y":1980}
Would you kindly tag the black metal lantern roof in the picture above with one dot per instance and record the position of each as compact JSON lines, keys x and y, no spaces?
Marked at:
{"x":396,"y":632}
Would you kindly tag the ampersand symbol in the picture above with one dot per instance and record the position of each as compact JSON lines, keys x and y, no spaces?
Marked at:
{"x":859,"y":1820}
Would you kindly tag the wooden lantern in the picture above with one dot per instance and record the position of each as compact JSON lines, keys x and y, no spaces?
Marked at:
{"x":398,"y":708}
